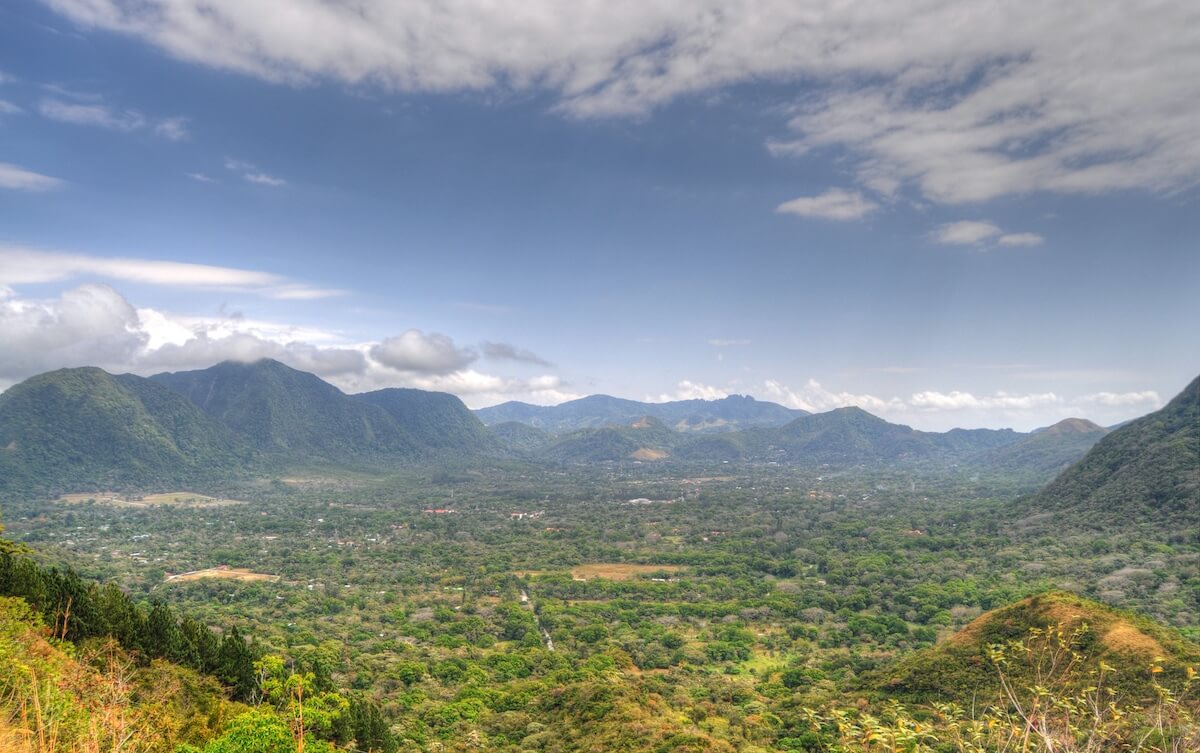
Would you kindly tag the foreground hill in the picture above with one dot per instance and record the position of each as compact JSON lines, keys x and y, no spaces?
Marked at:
{"x":963,"y":667}
{"x":1148,"y":470}
{"x":87,"y":428}
{"x":598,"y":411}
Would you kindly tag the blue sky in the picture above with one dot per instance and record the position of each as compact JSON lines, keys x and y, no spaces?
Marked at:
{"x":951,"y":214}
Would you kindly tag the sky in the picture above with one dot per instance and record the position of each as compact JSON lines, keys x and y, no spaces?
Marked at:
{"x":960,"y":213}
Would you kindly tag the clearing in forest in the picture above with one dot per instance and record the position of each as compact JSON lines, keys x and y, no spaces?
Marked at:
{"x":177,"y":499}
{"x":619,"y":570}
{"x":226,"y":572}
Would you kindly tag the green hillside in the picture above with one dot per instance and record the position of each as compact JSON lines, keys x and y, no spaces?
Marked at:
{"x":434,"y":420}
{"x":1146,"y":471}
{"x":1044,"y":452}
{"x":281,"y":410}
{"x":965,"y":666}
{"x":85,"y":428}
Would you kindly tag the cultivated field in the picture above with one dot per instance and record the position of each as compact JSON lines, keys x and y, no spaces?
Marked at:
{"x":178,"y":499}
{"x":607,"y":571}
{"x":226,"y":572}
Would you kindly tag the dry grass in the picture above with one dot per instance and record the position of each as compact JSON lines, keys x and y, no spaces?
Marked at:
{"x":619,"y":571}
{"x":1125,"y":637}
{"x":177,"y":499}
{"x":648,"y":453}
{"x":225,"y":572}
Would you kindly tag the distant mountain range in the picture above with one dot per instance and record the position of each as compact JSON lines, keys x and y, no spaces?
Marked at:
{"x":86,"y":429}
{"x":599,"y":411}
{"x":841,"y":436}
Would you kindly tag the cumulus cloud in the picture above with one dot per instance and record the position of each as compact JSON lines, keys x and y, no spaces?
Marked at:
{"x":964,"y":100}
{"x":814,"y":398}
{"x":20,"y":265}
{"x":689,"y":390}
{"x":1147,"y":399}
{"x":965,"y":232}
{"x":415,"y":351}
{"x":507,"y":352}
{"x":19,"y":179}
{"x":975,"y":232}
{"x":91,"y":324}
{"x":94,"y":325}
{"x":834,"y":204}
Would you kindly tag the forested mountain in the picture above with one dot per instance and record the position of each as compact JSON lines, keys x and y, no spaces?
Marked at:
{"x":597,"y":411}
{"x":279,"y":409}
{"x":87,"y":428}
{"x":436,"y":420}
{"x":1147,"y":470}
{"x":1045,"y":451}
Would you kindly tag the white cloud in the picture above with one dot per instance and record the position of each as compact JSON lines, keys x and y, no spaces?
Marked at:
{"x":91,"y":324}
{"x":251,"y":174}
{"x":1021,"y":239}
{"x":100,"y":116}
{"x":94,"y":325}
{"x":173,"y":129}
{"x":834,"y":204}
{"x":415,"y":351}
{"x":20,"y":266}
{"x":975,"y":233}
{"x":20,"y":179}
{"x":201,"y":177}
{"x":1147,"y":399}
{"x":264,"y":180}
{"x":965,"y":232}
{"x":816,"y":399}
{"x":103,"y":116}
{"x":689,"y":390}
{"x":957,"y":400}
{"x":720,"y":343}
{"x":8,"y":108}
{"x":963,"y":100}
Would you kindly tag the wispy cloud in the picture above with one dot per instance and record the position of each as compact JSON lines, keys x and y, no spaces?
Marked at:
{"x":8,"y":108}
{"x":201,"y":177}
{"x":19,"y":179}
{"x":834,"y":204}
{"x":19,"y":266}
{"x":964,"y":100}
{"x":99,"y":115}
{"x":251,"y":174}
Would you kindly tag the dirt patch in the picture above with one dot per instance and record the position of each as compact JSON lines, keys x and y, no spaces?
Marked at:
{"x":1126,"y":638}
{"x":648,"y":453}
{"x":175,"y":499}
{"x":619,"y":571}
{"x":225,"y":572}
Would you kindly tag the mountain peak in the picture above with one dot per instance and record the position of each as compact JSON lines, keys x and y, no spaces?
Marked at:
{"x":1072,"y":426}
